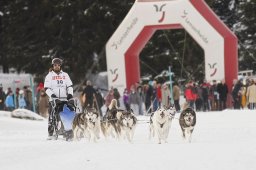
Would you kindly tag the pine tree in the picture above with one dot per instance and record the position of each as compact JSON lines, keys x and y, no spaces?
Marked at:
{"x":245,"y":30}
{"x":32,"y":32}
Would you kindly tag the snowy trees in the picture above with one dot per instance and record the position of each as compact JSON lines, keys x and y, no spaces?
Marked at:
{"x":33,"y":31}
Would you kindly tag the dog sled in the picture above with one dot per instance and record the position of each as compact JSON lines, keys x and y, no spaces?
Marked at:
{"x":67,"y":116}
{"x":63,"y":113}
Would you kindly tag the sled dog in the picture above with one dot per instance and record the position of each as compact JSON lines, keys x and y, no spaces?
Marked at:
{"x":79,"y":126}
{"x":110,"y":125}
{"x":93,"y":123}
{"x":171,"y":112}
{"x":128,"y":123}
{"x":87,"y":124}
{"x":187,"y":123}
{"x":159,"y":124}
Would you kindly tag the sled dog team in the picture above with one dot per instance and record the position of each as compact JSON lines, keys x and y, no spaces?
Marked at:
{"x":121,"y":124}
{"x":116,"y":123}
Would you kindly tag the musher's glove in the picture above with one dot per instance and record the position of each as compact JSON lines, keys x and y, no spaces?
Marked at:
{"x":71,"y":104}
{"x":53,"y":96}
{"x":57,"y":101}
{"x":69,"y":96}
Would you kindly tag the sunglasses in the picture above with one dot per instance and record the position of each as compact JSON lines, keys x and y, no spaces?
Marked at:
{"x":56,"y":65}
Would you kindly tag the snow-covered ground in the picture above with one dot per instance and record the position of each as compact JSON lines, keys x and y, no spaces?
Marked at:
{"x":221,"y":141}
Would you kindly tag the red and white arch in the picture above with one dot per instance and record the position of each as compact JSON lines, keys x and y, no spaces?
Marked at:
{"x":147,"y":16}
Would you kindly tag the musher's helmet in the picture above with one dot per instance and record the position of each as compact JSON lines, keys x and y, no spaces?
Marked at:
{"x":57,"y":61}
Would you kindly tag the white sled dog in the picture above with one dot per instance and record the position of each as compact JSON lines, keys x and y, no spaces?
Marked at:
{"x":128,"y":123}
{"x":187,"y":123}
{"x":110,"y":125}
{"x":87,"y":124}
{"x":93,"y":123}
{"x":171,"y":112}
{"x":159,"y":124}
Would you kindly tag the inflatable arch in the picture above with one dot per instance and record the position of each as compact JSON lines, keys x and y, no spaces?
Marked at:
{"x":147,"y":16}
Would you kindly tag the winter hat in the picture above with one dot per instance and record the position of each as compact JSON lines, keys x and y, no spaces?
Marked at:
{"x":57,"y":61}
{"x":21,"y":92}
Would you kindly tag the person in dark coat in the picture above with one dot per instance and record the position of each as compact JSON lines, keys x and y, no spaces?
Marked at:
{"x":117,"y":96}
{"x":2,"y":98}
{"x":28,"y":97}
{"x":214,"y":96}
{"x":99,"y":100}
{"x":89,"y":93}
{"x":222,"y":89}
{"x":205,"y":95}
{"x":236,"y":93}
{"x":148,"y":96}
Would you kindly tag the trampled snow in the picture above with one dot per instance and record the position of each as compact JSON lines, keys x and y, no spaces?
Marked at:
{"x":221,"y":141}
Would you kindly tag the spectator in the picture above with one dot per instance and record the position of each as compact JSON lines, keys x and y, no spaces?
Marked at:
{"x":190,"y":94}
{"x":9,"y":101}
{"x":214,"y":96}
{"x":166,"y":95}
{"x":149,"y":96}
{"x":28,"y":97}
{"x":141,"y":99}
{"x":2,"y":97}
{"x":126,"y":99}
{"x":159,"y":93}
{"x":205,"y":95}
{"x":134,"y":100}
{"x":109,"y":97}
{"x":17,"y":97}
{"x":236,"y":93}
{"x":99,"y":100}
{"x":176,"y":96}
{"x":154,"y":97}
{"x":8,"y":91}
{"x":43,"y":103}
{"x":38,"y":90}
{"x":21,"y":100}
{"x":251,"y":95}
{"x":222,"y":89}
{"x":117,"y":96}
{"x":199,"y":97}
{"x":89,"y":95}
{"x":244,"y":100}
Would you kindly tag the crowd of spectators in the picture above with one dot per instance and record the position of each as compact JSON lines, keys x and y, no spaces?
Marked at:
{"x":144,"y":98}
